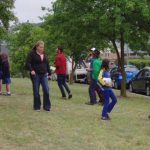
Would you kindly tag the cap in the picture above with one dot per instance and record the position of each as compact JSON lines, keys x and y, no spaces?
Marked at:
{"x":93,"y":49}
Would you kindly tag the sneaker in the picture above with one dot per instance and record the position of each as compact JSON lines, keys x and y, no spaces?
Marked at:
{"x":108,"y":117}
{"x":63,"y":98}
{"x":7,"y":94}
{"x":47,"y":109}
{"x":37,"y":110}
{"x":69,"y":96}
{"x":105,"y":118}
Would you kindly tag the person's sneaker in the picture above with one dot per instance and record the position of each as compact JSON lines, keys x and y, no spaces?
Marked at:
{"x":7,"y":94}
{"x":105,"y":118}
{"x":63,"y":98}
{"x":108,"y":117}
{"x":100,"y":103}
{"x":69,"y":96}
{"x":37,"y":110}
{"x":47,"y":109}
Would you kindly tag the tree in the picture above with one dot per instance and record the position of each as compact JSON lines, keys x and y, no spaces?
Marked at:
{"x":20,"y":42}
{"x":82,"y":24}
{"x":6,"y":15}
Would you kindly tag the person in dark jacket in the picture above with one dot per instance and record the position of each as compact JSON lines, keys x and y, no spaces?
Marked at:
{"x":38,"y":65}
{"x":60,"y":64}
{"x":1,"y":74}
{"x":6,"y":73}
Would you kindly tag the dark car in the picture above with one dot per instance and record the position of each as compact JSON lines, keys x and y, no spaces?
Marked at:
{"x":141,"y":82}
{"x":116,"y":76}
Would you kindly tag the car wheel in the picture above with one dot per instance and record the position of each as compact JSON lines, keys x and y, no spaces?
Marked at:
{"x":131,"y":87}
{"x":148,"y":91}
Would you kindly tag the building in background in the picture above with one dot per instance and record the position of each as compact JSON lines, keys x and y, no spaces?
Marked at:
{"x":111,"y":56}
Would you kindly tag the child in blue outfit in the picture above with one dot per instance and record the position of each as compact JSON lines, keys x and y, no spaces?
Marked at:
{"x":105,"y":80}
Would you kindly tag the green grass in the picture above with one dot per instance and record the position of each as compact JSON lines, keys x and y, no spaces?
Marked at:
{"x":72,"y":125}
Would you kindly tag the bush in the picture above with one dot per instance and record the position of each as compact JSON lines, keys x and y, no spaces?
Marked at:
{"x":139,"y":63}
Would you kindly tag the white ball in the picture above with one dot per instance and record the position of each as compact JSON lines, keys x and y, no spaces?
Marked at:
{"x":108,"y":81}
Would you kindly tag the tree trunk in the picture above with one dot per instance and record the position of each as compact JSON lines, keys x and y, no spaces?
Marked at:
{"x":117,"y":52}
{"x":71,"y":73}
{"x":121,"y":65}
{"x":123,"y":73}
{"x":71,"y":80}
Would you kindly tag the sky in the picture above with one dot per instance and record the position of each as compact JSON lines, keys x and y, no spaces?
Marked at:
{"x":30,"y":9}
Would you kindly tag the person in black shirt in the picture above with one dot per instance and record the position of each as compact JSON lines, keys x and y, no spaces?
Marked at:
{"x":38,"y":65}
{"x":1,"y":74}
{"x":5,"y":68}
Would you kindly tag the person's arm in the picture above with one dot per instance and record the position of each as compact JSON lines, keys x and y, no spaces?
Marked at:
{"x":48,"y":67}
{"x":28,"y":62}
{"x":95,"y":69}
{"x":100,"y":78}
{"x":57,"y":62}
{"x":88,"y":59}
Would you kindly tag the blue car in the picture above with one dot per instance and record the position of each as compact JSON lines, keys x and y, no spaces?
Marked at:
{"x":116,"y":76}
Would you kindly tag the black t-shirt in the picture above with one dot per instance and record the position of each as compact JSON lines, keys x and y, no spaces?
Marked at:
{"x":5,"y":69}
{"x":35,"y":63}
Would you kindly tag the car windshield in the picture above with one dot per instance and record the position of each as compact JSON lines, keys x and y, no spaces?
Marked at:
{"x":131,"y":69}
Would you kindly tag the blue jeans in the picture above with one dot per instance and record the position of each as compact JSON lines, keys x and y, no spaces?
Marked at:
{"x":61,"y":80}
{"x":108,"y":106}
{"x":36,"y":81}
{"x":92,"y":88}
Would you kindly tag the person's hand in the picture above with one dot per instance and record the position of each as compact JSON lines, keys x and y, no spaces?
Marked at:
{"x":88,"y":69}
{"x":49,"y":77}
{"x":108,"y":85}
{"x":33,"y":72}
{"x":89,"y":54}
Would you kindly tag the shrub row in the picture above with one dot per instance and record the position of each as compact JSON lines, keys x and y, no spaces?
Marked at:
{"x":139,"y":63}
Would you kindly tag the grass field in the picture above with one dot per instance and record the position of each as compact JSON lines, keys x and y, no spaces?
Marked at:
{"x":72,"y":125}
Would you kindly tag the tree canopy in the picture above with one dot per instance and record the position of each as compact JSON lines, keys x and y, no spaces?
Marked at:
{"x":80,"y":25}
{"x":6,"y":15}
{"x":21,"y":41}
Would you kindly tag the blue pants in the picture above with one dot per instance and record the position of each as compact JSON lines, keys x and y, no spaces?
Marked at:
{"x":108,"y":106}
{"x":36,"y":81}
{"x":61,"y":80}
{"x":92,"y":88}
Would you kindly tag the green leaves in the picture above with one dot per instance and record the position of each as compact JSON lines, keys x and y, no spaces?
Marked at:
{"x":21,"y":40}
{"x":95,"y":23}
{"x":6,"y":13}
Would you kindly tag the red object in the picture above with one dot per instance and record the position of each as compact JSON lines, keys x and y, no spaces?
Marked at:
{"x":60,"y":63}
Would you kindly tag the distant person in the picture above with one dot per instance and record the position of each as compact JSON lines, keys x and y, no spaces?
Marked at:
{"x":60,"y":64}
{"x":94,"y":72}
{"x":38,"y":65}
{"x":89,"y":59}
{"x":1,"y":74}
{"x":6,"y":73}
{"x":105,"y":80}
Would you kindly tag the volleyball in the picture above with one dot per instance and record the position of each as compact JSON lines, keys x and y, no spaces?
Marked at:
{"x":108,"y":81}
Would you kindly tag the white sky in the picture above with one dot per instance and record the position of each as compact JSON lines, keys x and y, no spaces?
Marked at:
{"x":30,"y":9}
